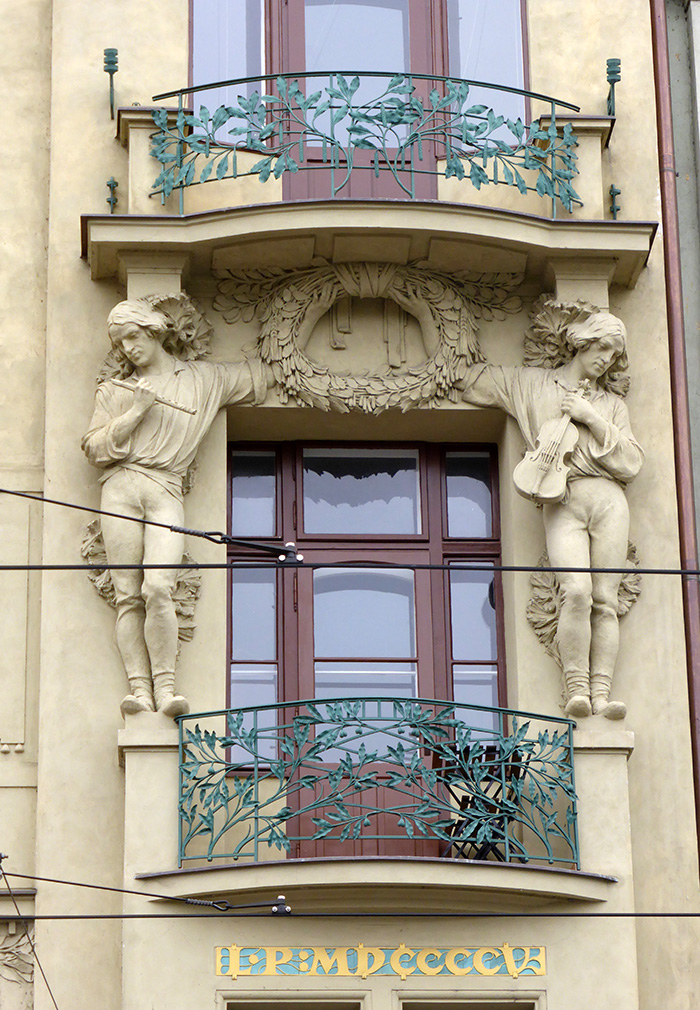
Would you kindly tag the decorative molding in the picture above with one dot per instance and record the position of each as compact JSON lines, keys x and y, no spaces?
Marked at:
{"x":289,"y":303}
{"x":545,"y":602}
{"x":185,"y":594}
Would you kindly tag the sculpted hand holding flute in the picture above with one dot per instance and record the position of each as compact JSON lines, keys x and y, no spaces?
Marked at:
{"x":144,"y":435}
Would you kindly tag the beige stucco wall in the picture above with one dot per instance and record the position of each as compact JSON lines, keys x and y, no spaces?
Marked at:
{"x":53,"y":317}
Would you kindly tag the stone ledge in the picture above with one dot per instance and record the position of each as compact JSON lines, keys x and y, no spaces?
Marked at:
{"x":605,"y":740}
{"x":258,"y":234}
{"x":386,"y":884}
{"x":147,"y":732}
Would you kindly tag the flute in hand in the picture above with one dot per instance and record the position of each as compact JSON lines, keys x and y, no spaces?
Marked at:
{"x":159,"y":399}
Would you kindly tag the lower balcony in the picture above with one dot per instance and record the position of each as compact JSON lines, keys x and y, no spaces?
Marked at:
{"x":379,"y":777}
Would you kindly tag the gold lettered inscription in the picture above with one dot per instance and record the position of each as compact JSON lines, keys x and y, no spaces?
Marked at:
{"x":360,"y":962}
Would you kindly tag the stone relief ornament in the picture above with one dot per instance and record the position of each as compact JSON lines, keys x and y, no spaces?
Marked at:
{"x":17,"y":966}
{"x":288,"y":304}
{"x":156,"y":399}
{"x":545,"y":603}
{"x":188,"y":584}
{"x":581,"y":454}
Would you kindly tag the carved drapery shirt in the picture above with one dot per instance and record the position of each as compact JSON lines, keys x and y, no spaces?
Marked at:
{"x":534,"y":395}
{"x":163,"y":445}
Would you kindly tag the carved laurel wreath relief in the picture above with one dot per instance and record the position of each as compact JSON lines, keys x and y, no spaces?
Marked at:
{"x":282,"y":301}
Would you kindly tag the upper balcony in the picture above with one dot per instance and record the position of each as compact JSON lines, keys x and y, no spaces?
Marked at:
{"x":365,"y":136}
{"x":377,"y":777}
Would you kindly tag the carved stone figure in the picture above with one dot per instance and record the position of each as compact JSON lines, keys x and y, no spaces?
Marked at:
{"x":587,"y":524}
{"x":144,"y":435}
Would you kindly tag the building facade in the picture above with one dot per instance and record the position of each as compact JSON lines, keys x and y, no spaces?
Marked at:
{"x":358,"y":260}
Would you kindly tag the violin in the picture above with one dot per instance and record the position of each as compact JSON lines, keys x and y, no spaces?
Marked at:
{"x":542,"y":473}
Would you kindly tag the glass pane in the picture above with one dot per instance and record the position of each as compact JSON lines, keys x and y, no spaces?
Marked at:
{"x":255,"y":685}
{"x":359,"y":491}
{"x":468,"y":494}
{"x":475,"y":686}
{"x":253,"y":494}
{"x":253,"y":615}
{"x":364,"y":612}
{"x":366,"y":680}
{"x":486,"y":44}
{"x":227,"y":42}
{"x":357,"y":35}
{"x":473,"y":613}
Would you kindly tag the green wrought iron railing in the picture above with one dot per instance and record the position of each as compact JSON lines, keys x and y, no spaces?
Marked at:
{"x":416,"y":125}
{"x":309,"y":777}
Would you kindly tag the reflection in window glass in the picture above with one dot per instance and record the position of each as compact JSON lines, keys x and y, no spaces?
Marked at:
{"x":473,"y":612}
{"x":355,"y":491}
{"x":476,"y":686}
{"x":486,"y":44}
{"x":357,"y":35}
{"x":253,"y":494}
{"x":255,"y":685}
{"x":366,"y":680}
{"x":468,"y":494}
{"x":227,"y":42}
{"x":364,"y":612}
{"x":253,"y":615}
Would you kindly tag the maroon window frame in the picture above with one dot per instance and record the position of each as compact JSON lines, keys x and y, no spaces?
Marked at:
{"x":295,"y":644}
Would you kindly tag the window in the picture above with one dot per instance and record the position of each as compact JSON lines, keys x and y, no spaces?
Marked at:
{"x":476,"y":39}
{"x":385,"y":625}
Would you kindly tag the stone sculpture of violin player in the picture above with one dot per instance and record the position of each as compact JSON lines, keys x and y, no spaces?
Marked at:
{"x":586,"y":517}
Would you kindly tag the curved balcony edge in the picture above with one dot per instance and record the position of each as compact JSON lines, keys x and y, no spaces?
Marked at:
{"x":447,"y":236}
{"x":387,"y":884}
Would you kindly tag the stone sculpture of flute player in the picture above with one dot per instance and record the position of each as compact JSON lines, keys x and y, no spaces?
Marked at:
{"x":144,"y":446}
{"x":589,"y":526}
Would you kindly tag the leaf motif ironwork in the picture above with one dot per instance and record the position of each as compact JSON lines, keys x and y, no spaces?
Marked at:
{"x":335,"y":767}
{"x":472,"y":141}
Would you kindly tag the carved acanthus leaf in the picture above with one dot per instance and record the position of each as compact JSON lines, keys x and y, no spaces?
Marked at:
{"x":185,"y":594}
{"x":281,"y":301}
{"x":545,"y":603}
{"x":16,"y":958}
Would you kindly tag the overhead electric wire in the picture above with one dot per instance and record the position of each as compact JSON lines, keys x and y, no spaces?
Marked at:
{"x":213,"y":535}
{"x":291,"y":561}
{"x":219,"y":905}
{"x":23,"y":920}
{"x":221,"y":913}
{"x":454,"y":566}
{"x":77,"y":916}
